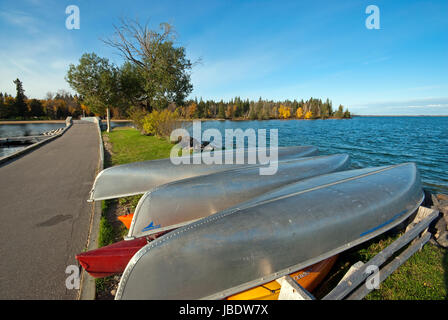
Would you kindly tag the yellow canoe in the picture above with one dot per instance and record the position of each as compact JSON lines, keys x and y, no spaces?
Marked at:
{"x":308,"y":278}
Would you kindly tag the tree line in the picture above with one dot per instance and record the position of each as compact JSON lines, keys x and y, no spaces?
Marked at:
{"x":238,"y":108}
{"x":55,"y":106}
{"x":59,"y":105}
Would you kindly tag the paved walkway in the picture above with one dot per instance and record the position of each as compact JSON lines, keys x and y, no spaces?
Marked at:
{"x":44,"y":216}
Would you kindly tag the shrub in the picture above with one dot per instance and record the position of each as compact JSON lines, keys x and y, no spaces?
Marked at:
{"x":161,"y":123}
{"x":309,"y":115}
{"x":137,"y":115}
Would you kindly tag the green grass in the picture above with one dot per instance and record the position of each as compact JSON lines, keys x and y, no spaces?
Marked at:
{"x":423,"y":277}
{"x":106,"y":232}
{"x":130,"y":201}
{"x":106,"y":236}
{"x":128,"y":145}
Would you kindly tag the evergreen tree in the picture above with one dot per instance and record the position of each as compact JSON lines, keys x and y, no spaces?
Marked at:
{"x":2,"y":107}
{"x":347,"y":114}
{"x":36,"y":108}
{"x":200,"y":111}
{"x":20,"y":107}
{"x":221,"y":110}
{"x":340,"y":112}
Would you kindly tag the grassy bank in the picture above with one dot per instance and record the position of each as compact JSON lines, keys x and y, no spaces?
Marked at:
{"x":424,"y":276}
{"x":123,"y":145}
{"x":128,"y":145}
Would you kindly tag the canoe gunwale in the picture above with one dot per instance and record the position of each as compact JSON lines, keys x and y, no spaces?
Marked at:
{"x":285,"y":271}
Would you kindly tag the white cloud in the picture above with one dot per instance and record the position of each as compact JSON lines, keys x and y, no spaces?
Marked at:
{"x":421,"y":106}
{"x":21,"y":19}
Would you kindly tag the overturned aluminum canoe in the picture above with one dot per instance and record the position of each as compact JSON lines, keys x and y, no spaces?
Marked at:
{"x":273,"y":235}
{"x":139,"y":177}
{"x":181,"y":202}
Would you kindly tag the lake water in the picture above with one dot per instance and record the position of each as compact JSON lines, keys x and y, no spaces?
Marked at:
{"x":27,"y":129}
{"x":370,"y":141}
{"x":19,"y":130}
{"x":34,"y":129}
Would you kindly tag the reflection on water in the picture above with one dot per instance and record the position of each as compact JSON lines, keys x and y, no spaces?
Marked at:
{"x":118,"y":124}
{"x":27,"y":129}
{"x":4,"y":151}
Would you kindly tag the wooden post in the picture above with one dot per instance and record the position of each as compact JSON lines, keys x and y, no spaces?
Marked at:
{"x":422,"y":213}
{"x":291,"y":290}
{"x":355,"y":267}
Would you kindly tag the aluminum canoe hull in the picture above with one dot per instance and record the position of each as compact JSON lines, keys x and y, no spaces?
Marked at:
{"x":181,"y":202}
{"x":273,"y":235}
{"x":139,"y":177}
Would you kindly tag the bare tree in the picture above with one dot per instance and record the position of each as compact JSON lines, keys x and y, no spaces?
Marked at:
{"x":137,"y":43}
{"x":162,"y":66}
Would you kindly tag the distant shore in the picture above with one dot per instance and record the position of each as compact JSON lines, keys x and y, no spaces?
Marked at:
{"x":48,"y":121}
{"x":218,"y":119}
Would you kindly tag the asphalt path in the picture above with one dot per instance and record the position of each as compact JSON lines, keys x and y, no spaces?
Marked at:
{"x":44,"y":215}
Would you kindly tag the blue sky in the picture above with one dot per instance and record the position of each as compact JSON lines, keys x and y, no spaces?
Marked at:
{"x":273,"y":49}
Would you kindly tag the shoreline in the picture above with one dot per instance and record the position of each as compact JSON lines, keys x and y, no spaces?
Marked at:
{"x":238,"y":119}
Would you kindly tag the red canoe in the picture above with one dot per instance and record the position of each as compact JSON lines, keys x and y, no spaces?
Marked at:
{"x":112,"y":259}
